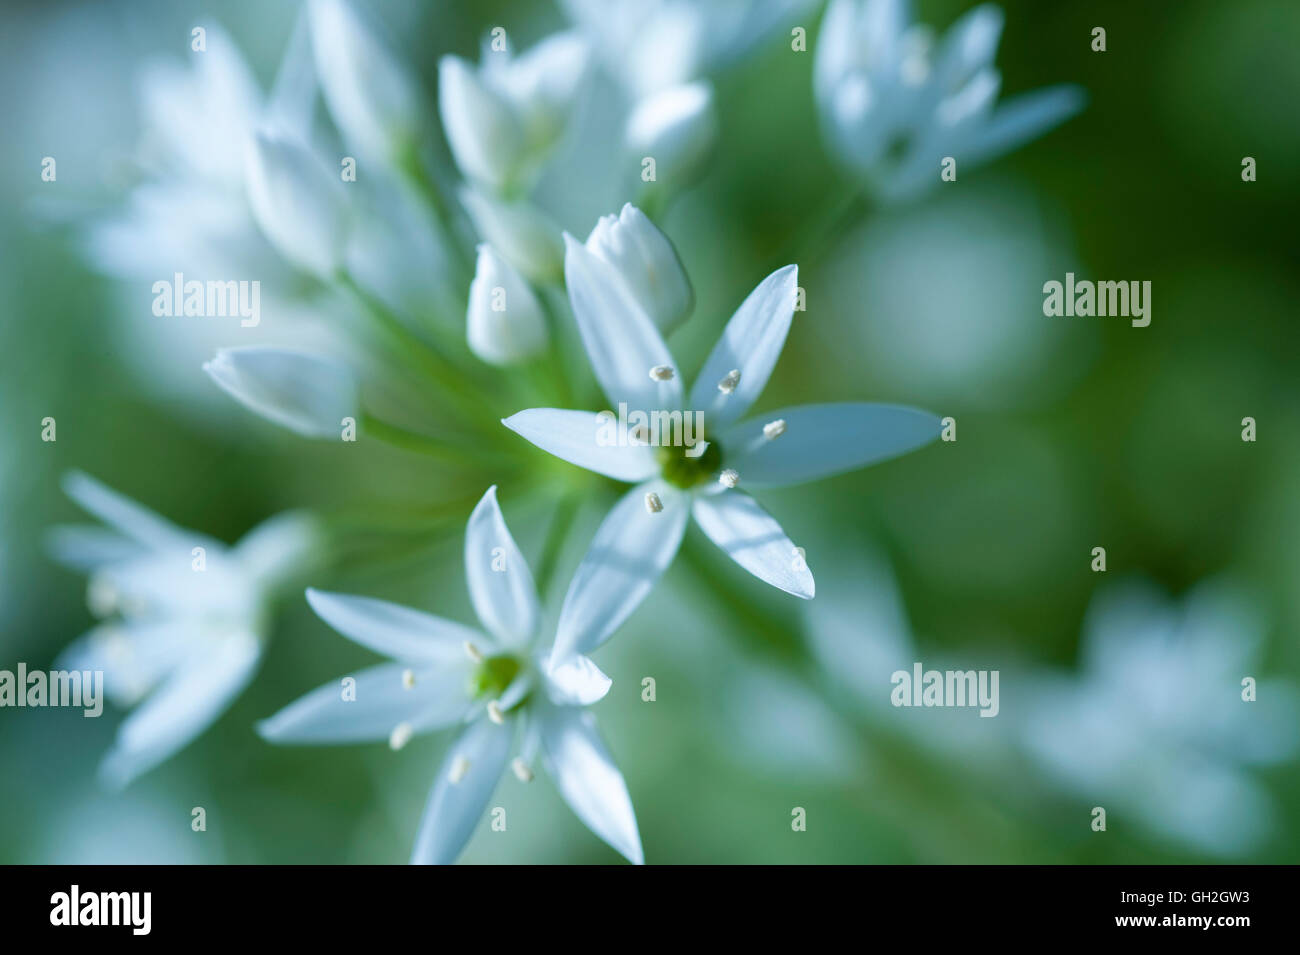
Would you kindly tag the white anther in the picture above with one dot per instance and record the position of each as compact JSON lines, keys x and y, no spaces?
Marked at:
{"x":774,"y":429}
{"x":473,"y":652}
{"x":653,"y":504}
{"x":729,"y":477}
{"x":522,"y":772}
{"x":494,"y":713}
{"x":729,"y":381}
{"x":459,"y":769}
{"x":408,"y":679}
{"x":661,"y":373}
{"x":400,"y":736}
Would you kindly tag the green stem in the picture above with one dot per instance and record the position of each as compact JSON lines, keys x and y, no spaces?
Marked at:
{"x":417,"y":176}
{"x":808,"y":244}
{"x":443,"y":450}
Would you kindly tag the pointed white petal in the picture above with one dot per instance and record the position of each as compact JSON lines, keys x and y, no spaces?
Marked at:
{"x":621,"y":340}
{"x":306,"y":393}
{"x":576,"y":682}
{"x":134,"y":657}
{"x":484,"y":133}
{"x":280,"y":548}
{"x":677,"y":127}
{"x":648,"y":263}
{"x":585,"y":438}
{"x":393,"y":630}
{"x":629,"y":553}
{"x":454,"y":808}
{"x":587,"y":778}
{"x":193,"y":697}
{"x":500,"y":583}
{"x":133,"y":520}
{"x":87,"y":546}
{"x":751,"y":343}
{"x":753,"y":539}
{"x":822,"y":440}
{"x":523,"y":234}
{"x":1021,"y":118}
{"x":373,"y":704}
{"x":504,"y":323}
{"x":299,"y":203}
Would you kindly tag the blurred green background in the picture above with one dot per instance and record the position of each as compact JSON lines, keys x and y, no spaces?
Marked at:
{"x":1072,"y":433}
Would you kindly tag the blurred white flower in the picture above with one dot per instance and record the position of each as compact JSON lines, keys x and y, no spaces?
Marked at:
{"x":1154,"y":723}
{"x":646,"y":261}
{"x":504,"y":118}
{"x":189,"y":616}
{"x":301,"y":391}
{"x":893,"y":108}
{"x":299,"y":203}
{"x":371,"y":98}
{"x":676,"y":127}
{"x":503,"y":322}
{"x":445,"y":674}
{"x":682,"y":477}
{"x":524,"y":235}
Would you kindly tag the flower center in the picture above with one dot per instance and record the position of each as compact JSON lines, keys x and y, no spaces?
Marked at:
{"x":686,"y":467}
{"x":493,"y":675}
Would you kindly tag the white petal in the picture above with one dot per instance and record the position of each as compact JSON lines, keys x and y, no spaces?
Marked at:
{"x":968,"y":47}
{"x":504,"y":323}
{"x":500,"y":583}
{"x":621,"y":340}
{"x":134,"y":656}
{"x":87,"y":546}
{"x":373,"y":705}
{"x":306,"y":393}
{"x":486,"y":138}
{"x":298,"y":202}
{"x":280,"y":548}
{"x":576,"y":682}
{"x":577,"y":437}
{"x":393,"y":630}
{"x":646,"y":260}
{"x":587,"y":778}
{"x":137,"y":522}
{"x":194,"y":695}
{"x":1021,"y":118}
{"x":293,"y":94}
{"x":630,"y":551}
{"x":753,"y":539}
{"x":751,"y":343}
{"x":821,"y":440}
{"x":543,"y":84}
{"x":371,"y":99}
{"x":454,"y":809}
{"x":677,"y":127}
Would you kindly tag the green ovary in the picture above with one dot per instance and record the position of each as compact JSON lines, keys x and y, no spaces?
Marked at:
{"x":493,"y":675}
{"x":686,"y":472}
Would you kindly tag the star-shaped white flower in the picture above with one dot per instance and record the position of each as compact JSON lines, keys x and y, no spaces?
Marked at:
{"x":893,"y":107}
{"x":488,"y":680}
{"x":185,"y":617}
{"x":642,"y":533}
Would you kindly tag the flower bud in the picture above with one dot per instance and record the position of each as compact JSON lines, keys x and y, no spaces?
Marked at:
{"x":646,"y":260}
{"x":504,"y":321}
{"x":523,"y":234}
{"x":485,"y":136}
{"x":304,"y":392}
{"x":677,"y":128}
{"x":298,"y":203}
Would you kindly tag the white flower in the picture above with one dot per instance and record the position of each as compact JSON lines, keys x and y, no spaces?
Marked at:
{"x":503,"y":119}
{"x":188,"y":625}
{"x":489,"y":681}
{"x":524,"y":235}
{"x":304,"y":392}
{"x":504,"y":321}
{"x":893,"y":108}
{"x":645,"y":259}
{"x":1155,"y":722}
{"x":637,"y":541}
{"x":372,"y":100}
{"x":677,"y":127}
{"x":298,"y":202}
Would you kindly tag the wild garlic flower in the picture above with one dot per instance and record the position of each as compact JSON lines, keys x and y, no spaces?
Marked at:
{"x":503,"y":118}
{"x":1160,"y":723}
{"x":306,"y":393}
{"x":705,"y":477}
{"x":489,"y":681}
{"x":184,"y":616}
{"x":504,"y":320}
{"x":648,"y":264}
{"x":894,"y":105}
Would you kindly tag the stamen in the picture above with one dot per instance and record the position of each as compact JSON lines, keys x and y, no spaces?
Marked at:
{"x":522,"y":772}
{"x":408,"y":679}
{"x":473,"y":652}
{"x":653,"y":504}
{"x":729,"y":381}
{"x":101,"y":596}
{"x":494,"y":713}
{"x":774,"y":429}
{"x":729,"y":477}
{"x":459,"y":768}
{"x":661,"y":373}
{"x":400,"y":736}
